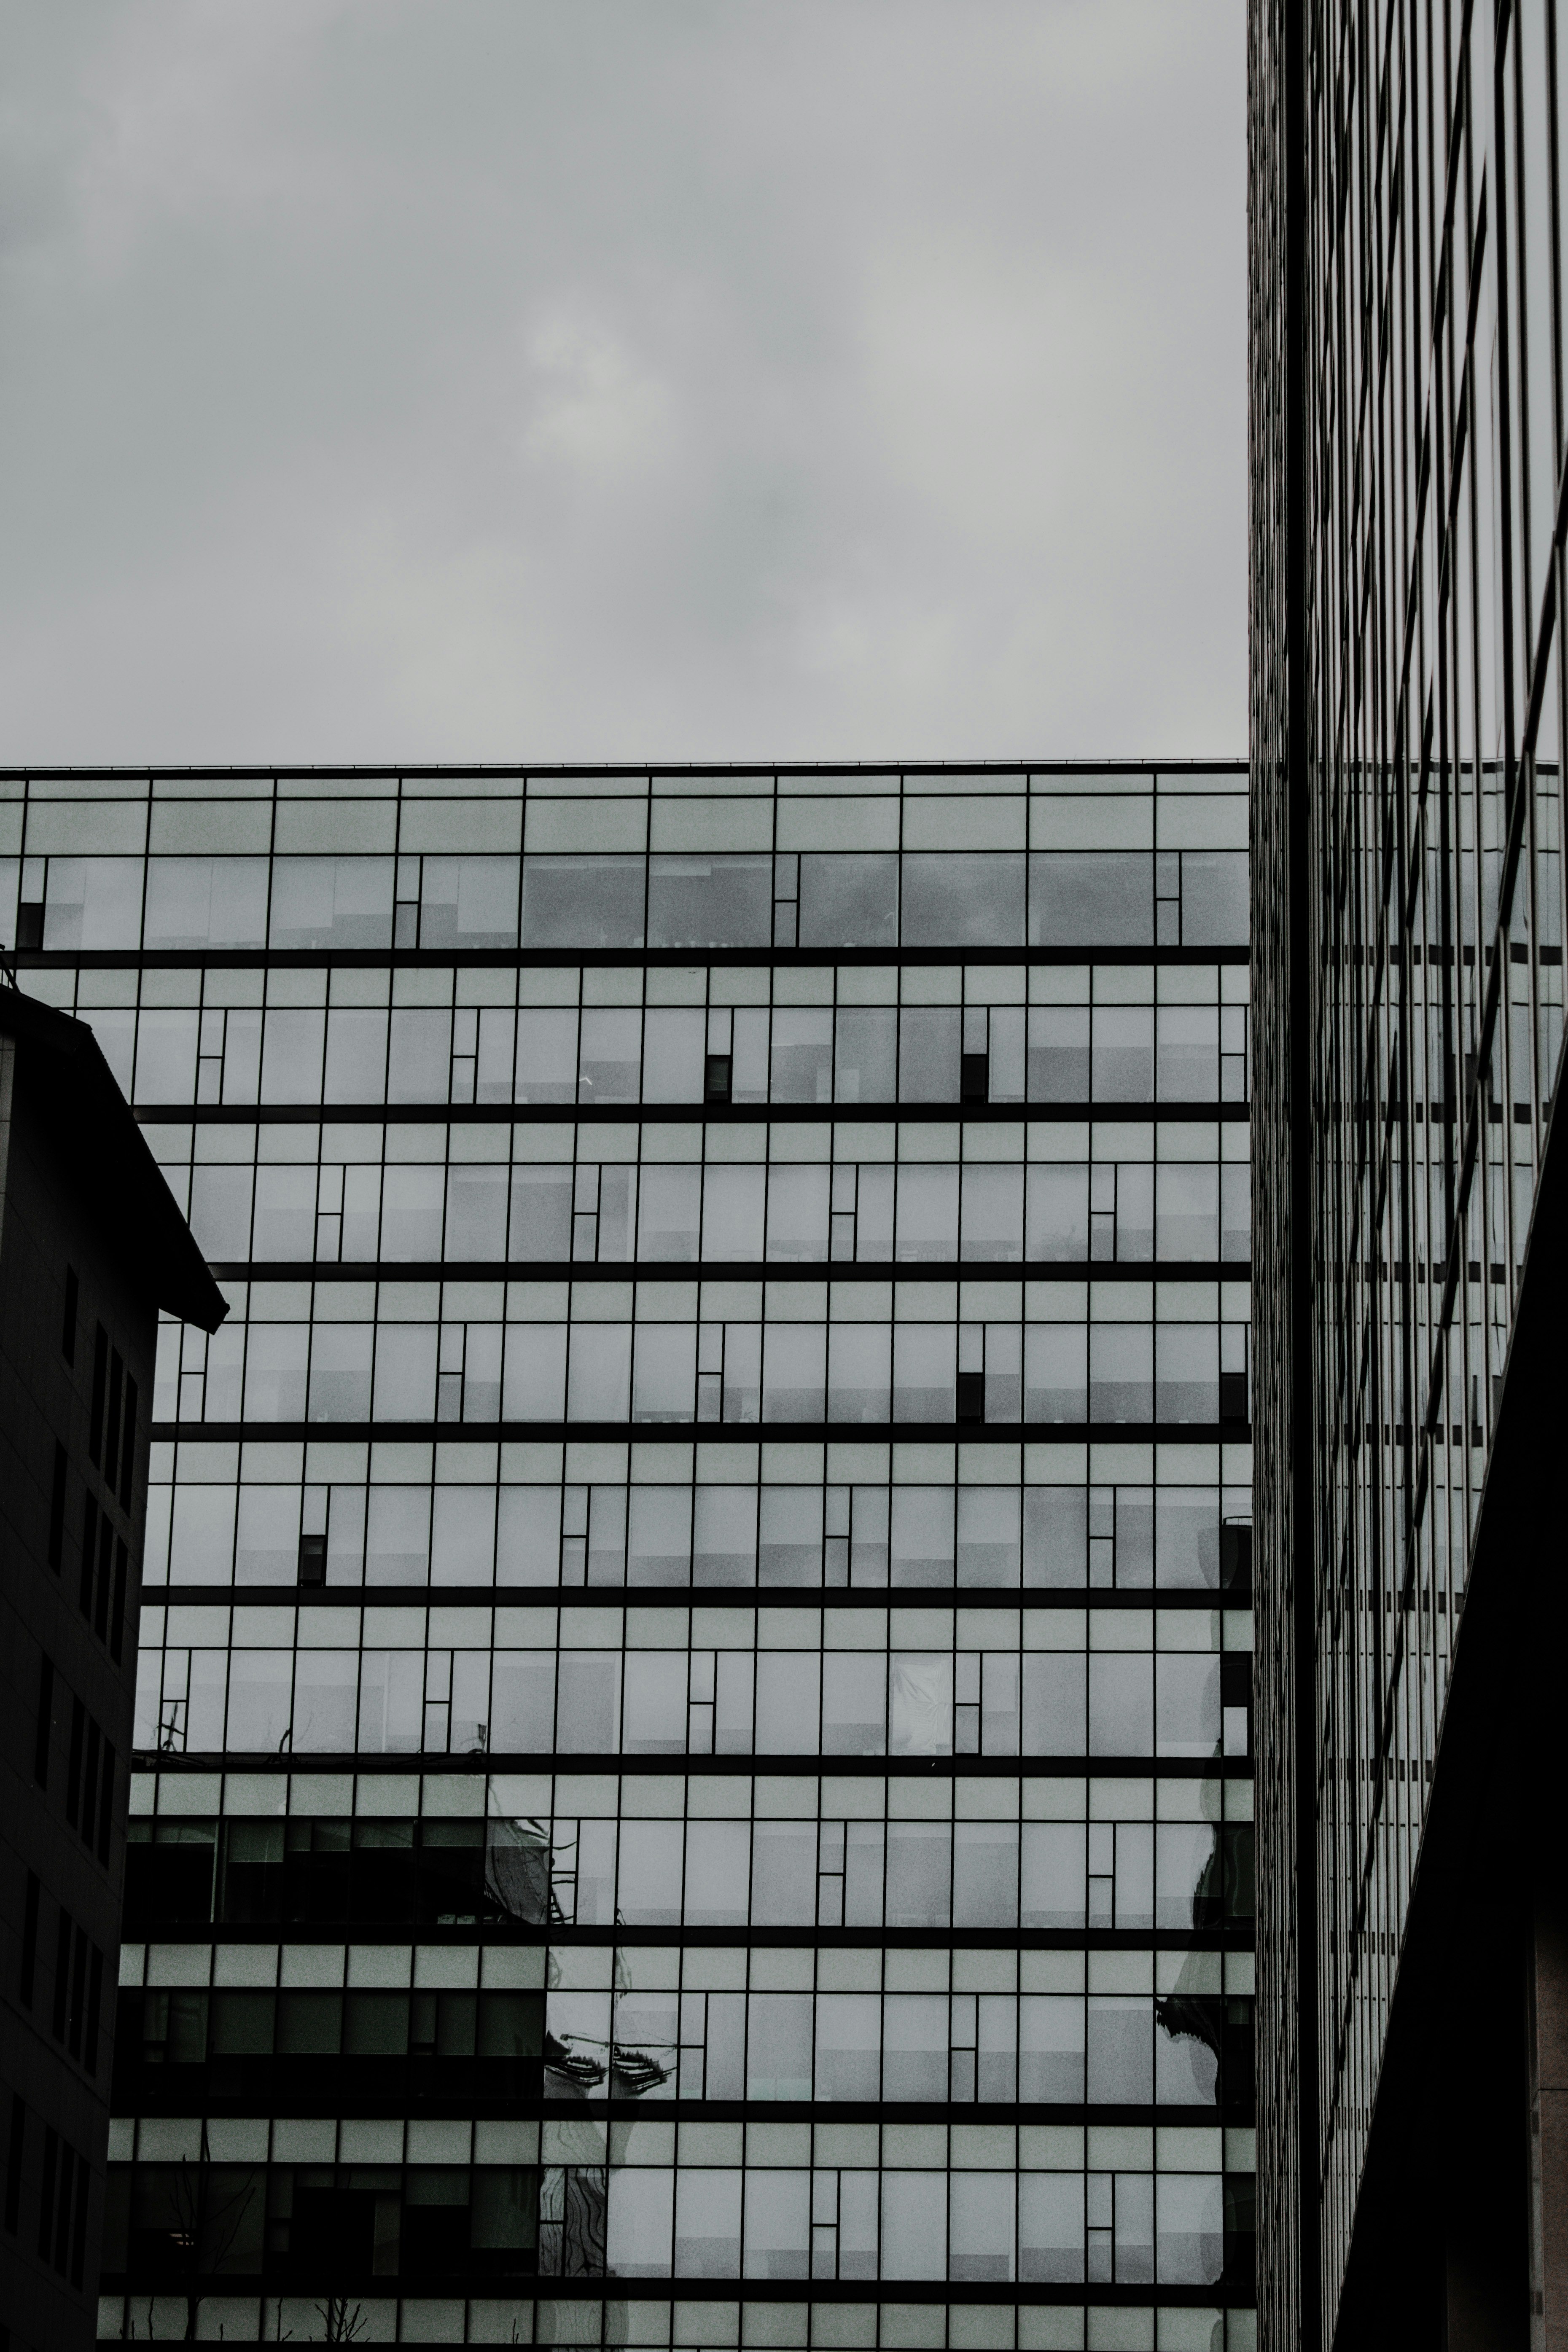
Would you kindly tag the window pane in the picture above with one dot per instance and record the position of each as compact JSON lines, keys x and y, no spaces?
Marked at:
{"x":1057,"y":1053}
{"x":724,"y":1535}
{"x":801,"y":1054}
{"x":922,"y":1534}
{"x":547,"y":1055}
{"x":993,"y":1213}
{"x":794,"y":1361}
{"x":930,"y":1042}
{"x":1123,"y":1059}
{"x":964,"y":899}
{"x":658,"y":1536}
{"x":866,"y":1055}
{"x":1186,"y":1222}
{"x":789,"y":1543}
{"x":797,"y":1213}
{"x":331,"y":902}
{"x":665,"y":1370}
{"x":197,"y":902}
{"x":849,"y":901}
{"x":927,"y":1214}
{"x":93,"y":902}
{"x":859,"y":1360}
{"x":1091,"y":899}
{"x":1213,"y":899}
{"x":673,"y":1046}
{"x":468,"y":902}
{"x":1188,"y":1067}
{"x":610,"y":1056}
{"x":582,"y":902}
{"x":732,"y":1204}
{"x":710,"y":902}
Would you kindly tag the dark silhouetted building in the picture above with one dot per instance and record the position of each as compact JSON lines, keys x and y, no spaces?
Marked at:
{"x":1408,"y":504}
{"x":92,"y":1248}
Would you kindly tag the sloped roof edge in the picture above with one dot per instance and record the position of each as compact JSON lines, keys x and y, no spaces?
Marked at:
{"x":70,"y":1086}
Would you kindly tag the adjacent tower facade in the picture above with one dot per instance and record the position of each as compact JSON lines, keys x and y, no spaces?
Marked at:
{"x":694,"y":1741}
{"x":1407,"y":438}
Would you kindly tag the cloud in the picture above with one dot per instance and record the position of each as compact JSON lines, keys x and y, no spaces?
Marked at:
{"x":645,"y":378}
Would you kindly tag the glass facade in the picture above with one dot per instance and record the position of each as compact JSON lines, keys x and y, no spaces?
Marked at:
{"x":694,"y":1721}
{"x":1407,"y":435}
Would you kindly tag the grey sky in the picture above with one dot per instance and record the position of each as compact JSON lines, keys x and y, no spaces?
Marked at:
{"x":602,"y":379}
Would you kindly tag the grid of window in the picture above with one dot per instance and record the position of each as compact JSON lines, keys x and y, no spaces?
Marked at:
{"x":847,"y":1514}
{"x":1118,"y":1852}
{"x":862,"y":1192}
{"x":1110,"y":1034}
{"x":798,"y":1353}
{"x":1422,"y":580}
{"x":694,"y":1712}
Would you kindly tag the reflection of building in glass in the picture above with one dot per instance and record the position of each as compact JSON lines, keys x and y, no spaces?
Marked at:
{"x":92,"y":1248}
{"x":1409,"y":518}
{"x":696,"y":1740}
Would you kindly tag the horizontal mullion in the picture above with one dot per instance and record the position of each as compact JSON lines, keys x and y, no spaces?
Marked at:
{"x":396,"y":772}
{"x":194,"y":1933}
{"x":742,"y":2111}
{"x":610,"y":959}
{"x":716,"y":1432}
{"x":628,"y":2288}
{"x":748,"y":1766}
{"x":367,"y":1114}
{"x":1169,"y":1269}
{"x":699,"y":1596}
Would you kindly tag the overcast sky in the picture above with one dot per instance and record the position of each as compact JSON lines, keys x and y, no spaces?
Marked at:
{"x":590,"y":380}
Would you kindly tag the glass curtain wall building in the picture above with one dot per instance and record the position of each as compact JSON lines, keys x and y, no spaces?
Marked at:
{"x":695,"y":1723}
{"x":1407,"y":443}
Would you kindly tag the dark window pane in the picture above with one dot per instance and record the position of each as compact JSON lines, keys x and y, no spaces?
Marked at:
{"x":310,"y":2023}
{"x":505,"y":2216}
{"x":375,"y":2024}
{"x":242,"y":2024}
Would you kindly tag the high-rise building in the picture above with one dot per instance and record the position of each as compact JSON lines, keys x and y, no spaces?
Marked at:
{"x":694,"y":1737}
{"x":1407,"y":439}
{"x":92,"y":1248}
